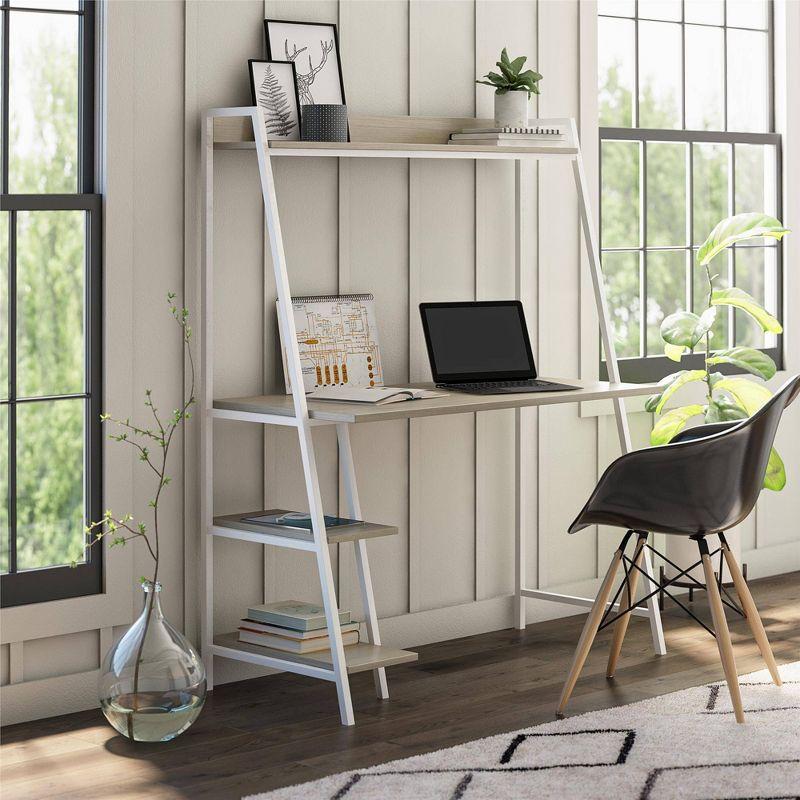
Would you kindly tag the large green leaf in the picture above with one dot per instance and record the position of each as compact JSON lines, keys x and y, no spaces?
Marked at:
{"x":740,"y":299}
{"x":674,"y":352}
{"x":723,"y":409}
{"x":683,"y":377}
{"x":517,"y":64}
{"x":737,"y":229}
{"x":748,"y":394}
{"x":685,"y":328}
{"x":673,"y":422}
{"x":654,"y":399}
{"x":747,"y":358}
{"x":775,"y":478}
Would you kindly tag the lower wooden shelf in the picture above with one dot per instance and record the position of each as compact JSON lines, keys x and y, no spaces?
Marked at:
{"x":360,"y":657}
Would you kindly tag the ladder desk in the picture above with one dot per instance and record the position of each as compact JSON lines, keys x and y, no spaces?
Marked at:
{"x":371,"y":137}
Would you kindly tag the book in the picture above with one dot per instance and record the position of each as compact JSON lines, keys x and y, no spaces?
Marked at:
{"x":538,"y":130}
{"x":294,"y":614}
{"x":337,"y":336}
{"x":508,"y":137}
{"x":298,"y":520}
{"x":378,"y":395}
{"x":288,"y":633}
{"x":291,"y":645}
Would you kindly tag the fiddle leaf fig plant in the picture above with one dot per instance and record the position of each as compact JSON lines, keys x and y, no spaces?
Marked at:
{"x":728,"y":398}
{"x":511,"y":78}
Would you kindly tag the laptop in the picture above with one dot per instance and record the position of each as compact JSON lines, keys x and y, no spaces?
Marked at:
{"x":482,"y":348}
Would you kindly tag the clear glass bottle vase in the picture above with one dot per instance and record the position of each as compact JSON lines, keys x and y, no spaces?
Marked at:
{"x":152,"y":682}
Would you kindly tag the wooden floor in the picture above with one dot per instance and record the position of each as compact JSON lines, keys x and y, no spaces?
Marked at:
{"x":262,"y":734}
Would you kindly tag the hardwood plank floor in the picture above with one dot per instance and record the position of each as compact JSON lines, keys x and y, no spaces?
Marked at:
{"x":270,"y":732}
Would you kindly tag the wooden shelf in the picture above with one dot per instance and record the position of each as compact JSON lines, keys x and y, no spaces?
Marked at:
{"x":325,"y":411}
{"x":232,"y":526}
{"x":360,"y":657}
{"x":386,"y":137}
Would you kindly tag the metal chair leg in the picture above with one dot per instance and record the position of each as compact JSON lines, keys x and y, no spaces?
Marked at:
{"x":750,"y":610}
{"x":621,"y":626}
{"x":721,"y":630}
{"x":590,"y":627}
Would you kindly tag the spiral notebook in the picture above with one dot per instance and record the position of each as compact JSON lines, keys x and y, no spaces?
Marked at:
{"x":338,"y":340}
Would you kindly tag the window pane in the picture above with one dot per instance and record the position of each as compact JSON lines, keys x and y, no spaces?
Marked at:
{"x":50,"y":298}
{"x":747,"y":13}
{"x":43,"y":103}
{"x":720,"y":267}
{"x":659,"y":75}
{"x":750,"y":276}
{"x":747,"y":81}
{"x":666,"y":194}
{"x":616,"y":56}
{"x":708,"y":11}
{"x":705,"y":79}
{"x":4,"y":304}
{"x":620,"y":8}
{"x":50,"y":516}
{"x":620,"y":194}
{"x":710,"y":187}
{"x":621,"y":271}
{"x":4,"y":489}
{"x":666,"y":292}
{"x":660,"y":9}
{"x":755,"y":178}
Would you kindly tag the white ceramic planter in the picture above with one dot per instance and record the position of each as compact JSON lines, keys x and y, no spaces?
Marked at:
{"x":511,"y":109}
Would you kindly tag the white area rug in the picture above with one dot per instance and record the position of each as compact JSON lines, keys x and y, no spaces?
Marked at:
{"x":681,"y":746}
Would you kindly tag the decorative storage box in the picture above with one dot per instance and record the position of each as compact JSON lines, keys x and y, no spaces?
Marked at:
{"x":324,"y":122}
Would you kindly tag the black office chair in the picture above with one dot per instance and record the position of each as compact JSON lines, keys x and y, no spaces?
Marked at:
{"x":705,"y":481}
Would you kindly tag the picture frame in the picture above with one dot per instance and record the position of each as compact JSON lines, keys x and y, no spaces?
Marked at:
{"x":290,"y":40}
{"x":273,"y":86}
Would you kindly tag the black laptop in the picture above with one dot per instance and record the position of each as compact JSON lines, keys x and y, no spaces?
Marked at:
{"x":482,"y":348}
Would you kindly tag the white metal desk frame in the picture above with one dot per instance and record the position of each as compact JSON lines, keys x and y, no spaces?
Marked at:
{"x":302,"y":422}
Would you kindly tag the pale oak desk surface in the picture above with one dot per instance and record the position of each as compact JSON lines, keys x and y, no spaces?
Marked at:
{"x":450,"y":403}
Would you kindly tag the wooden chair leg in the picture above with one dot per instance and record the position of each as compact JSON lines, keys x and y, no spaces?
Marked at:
{"x":590,"y":628}
{"x":621,"y":626}
{"x":722,"y":632}
{"x":751,"y":612}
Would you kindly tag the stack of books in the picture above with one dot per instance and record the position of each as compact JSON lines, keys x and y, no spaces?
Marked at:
{"x":510,"y":137}
{"x":293,"y":626}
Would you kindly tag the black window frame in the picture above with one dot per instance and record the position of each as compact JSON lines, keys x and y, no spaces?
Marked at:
{"x":648,"y":368}
{"x":60,"y":582}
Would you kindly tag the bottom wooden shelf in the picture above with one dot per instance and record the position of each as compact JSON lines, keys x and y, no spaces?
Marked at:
{"x":360,"y":657}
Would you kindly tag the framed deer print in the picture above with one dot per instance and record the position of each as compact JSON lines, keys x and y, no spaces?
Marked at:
{"x":313,"y":48}
{"x":273,"y":85}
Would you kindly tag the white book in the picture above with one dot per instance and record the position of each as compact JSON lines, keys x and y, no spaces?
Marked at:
{"x":509,"y":137}
{"x":289,"y":633}
{"x":293,"y":645}
{"x":542,"y":130}
{"x":377,"y":395}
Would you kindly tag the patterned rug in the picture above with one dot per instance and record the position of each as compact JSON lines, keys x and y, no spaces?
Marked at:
{"x":681,"y":746}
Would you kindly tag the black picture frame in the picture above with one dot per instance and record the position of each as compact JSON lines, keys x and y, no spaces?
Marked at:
{"x":295,"y":97}
{"x":274,"y":56}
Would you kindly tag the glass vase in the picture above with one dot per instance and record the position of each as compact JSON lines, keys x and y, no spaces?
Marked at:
{"x":152,"y":682}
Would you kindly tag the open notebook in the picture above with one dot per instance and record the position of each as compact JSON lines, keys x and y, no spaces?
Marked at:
{"x":377,"y":395}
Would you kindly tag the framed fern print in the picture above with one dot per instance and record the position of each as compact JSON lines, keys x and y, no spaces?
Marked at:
{"x":274,"y":88}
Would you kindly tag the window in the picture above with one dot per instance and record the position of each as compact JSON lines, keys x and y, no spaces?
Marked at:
{"x":50,"y":349}
{"x":686,"y":121}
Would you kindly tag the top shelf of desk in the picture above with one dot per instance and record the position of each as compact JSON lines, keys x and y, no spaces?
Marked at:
{"x":386,"y":137}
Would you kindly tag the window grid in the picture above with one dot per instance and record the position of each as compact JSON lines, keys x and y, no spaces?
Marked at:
{"x":58,"y":582}
{"x":646,"y":366}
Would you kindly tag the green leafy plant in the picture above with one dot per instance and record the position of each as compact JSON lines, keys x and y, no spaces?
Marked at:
{"x":510,"y":78}
{"x":152,"y":446}
{"x":728,"y":398}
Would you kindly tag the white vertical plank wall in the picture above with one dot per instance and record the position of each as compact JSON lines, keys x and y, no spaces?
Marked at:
{"x":406,"y":232}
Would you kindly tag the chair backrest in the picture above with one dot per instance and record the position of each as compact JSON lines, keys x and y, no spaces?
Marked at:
{"x":740,"y":456}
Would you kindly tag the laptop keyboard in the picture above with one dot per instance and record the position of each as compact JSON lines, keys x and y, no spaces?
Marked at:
{"x":520,"y":384}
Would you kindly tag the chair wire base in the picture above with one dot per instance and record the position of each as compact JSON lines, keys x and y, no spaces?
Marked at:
{"x":630,"y":564}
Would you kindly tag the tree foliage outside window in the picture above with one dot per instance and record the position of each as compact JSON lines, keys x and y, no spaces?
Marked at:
{"x":48,"y":387}
{"x":666,"y":180}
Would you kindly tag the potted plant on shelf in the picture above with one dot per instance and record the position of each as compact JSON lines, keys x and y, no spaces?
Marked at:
{"x":152,"y":683}
{"x":512,"y":90}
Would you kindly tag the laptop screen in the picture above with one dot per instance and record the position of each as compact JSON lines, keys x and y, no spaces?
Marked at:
{"x":477,"y":341}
